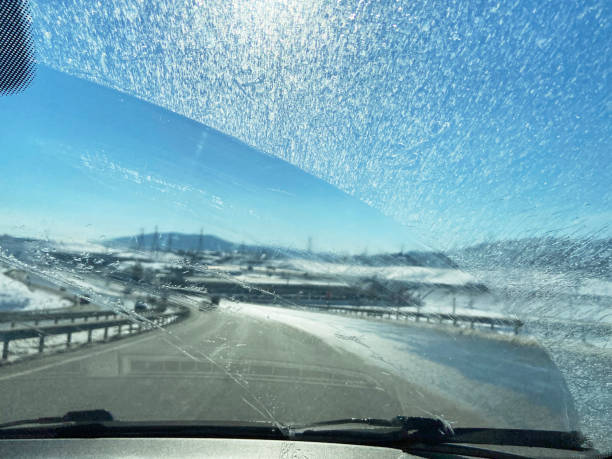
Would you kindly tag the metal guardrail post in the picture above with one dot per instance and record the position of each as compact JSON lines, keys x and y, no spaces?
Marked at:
{"x":68,"y":339}
{"x":105,"y":333}
{"x":89,"y":333}
{"x":5,"y":349}
{"x":41,"y":344}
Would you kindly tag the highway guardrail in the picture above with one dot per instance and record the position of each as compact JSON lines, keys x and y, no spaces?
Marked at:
{"x":126,"y":325}
{"x":15,"y":317}
{"x":394,"y":313}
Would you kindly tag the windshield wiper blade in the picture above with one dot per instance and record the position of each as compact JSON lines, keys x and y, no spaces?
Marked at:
{"x":394,"y":433}
{"x":70,"y":417}
{"x":432,"y":428}
{"x":401,"y":432}
{"x":101,"y":424}
{"x":399,"y":421}
{"x":410,"y":434}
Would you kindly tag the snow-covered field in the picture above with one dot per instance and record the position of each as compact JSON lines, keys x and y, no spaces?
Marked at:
{"x":16,"y":295}
{"x":596,"y":287}
{"x":265,"y":279}
{"x":400,"y":273}
{"x":566,"y":296}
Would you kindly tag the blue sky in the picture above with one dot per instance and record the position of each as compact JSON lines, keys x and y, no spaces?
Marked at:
{"x":464,"y":121}
{"x":84,"y":162}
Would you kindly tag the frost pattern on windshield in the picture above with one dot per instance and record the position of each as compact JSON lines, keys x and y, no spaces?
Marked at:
{"x":416,"y":108}
{"x":484,"y":129}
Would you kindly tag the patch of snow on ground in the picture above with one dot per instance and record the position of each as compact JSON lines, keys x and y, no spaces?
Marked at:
{"x":16,"y":295}
{"x":263,"y":279}
{"x":443,"y":308}
{"x":400,"y":273}
{"x":457,"y":366}
{"x":79,"y":247}
{"x":464,"y":369}
{"x":596,"y":287}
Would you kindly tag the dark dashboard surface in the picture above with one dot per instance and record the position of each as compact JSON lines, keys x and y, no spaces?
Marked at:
{"x":180,"y":447}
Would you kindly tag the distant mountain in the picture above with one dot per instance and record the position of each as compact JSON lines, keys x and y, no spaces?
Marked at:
{"x":589,"y":256}
{"x":194,"y":242}
{"x":173,"y":241}
{"x":592,"y":257}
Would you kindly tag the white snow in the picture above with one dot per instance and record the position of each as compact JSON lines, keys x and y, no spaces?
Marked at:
{"x":420,"y":356}
{"x":262,"y":279}
{"x":79,"y":247}
{"x":596,"y":287}
{"x":403,"y":273}
{"x":444,"y":308}
{"x":16,"y":295}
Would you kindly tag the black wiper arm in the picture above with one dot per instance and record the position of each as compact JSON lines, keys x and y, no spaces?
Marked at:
{"x":372,"y":431}
{"x":101,"y":424}
{"x":411,"y":423}
{"x":70,"y":417}
{"x":405,"y":431}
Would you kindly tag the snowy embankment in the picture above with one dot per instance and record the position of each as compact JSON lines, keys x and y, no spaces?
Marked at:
{"x":493,"y":373}
{"x":463,"y":367}
{"x":435,"y":300}
{"x":15,"y":295}
{"x":570,"y":315}
{"x":562,"y":296}
{"x":417,"y":274}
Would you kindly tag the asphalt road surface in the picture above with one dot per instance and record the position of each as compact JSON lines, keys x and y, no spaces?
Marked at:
{"x":224,"y":365}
